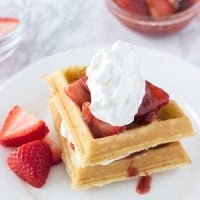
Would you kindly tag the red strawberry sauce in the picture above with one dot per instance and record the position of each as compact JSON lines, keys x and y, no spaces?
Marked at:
{"x":132,"y":171}
{"x":160,"y":7}
{"x":153,"y":100}
{"x":144,"y":184}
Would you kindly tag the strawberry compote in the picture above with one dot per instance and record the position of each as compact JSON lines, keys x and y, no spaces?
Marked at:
{"x":153,"y":100}
{"x":155,"y":8}
{"x":155,"y":17}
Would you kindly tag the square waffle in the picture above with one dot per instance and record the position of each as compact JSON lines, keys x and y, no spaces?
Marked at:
{"x":172,"y":125}
{"x":153,"y":160}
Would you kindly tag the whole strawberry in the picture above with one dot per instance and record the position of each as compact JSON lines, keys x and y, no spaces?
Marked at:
{"x":31,"y":162}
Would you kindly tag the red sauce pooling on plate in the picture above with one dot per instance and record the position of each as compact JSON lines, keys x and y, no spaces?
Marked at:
{"x":144,"y":184}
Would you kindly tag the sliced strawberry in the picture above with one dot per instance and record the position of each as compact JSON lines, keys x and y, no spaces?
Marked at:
{"x":84,"y":83}
{"x":159,"y":8}
{"x":175,"y":3}
{"x":153,"y":100}
{"x":31,"y":162}
{"x":21,"y":127}
{"x":97,"y":127}
{"x":56,"y":151}
{"x":78,"y":91}
{"x":184,"y":4}
{"x":87,"y":115}
{"x":138,"y":7}
{"x":7,"y":25}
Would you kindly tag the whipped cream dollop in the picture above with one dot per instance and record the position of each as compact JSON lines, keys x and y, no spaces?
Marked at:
{"x":65,"y":132}
{"x":115,"y":84}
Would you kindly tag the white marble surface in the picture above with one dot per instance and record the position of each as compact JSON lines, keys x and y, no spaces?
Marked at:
{"x":64,"y":24}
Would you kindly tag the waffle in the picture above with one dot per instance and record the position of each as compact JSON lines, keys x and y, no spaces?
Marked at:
{"x":172,"y":124}
{"x":154,"y":160}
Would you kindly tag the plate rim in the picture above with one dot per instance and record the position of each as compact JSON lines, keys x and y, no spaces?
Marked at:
{"x":97,"y":46}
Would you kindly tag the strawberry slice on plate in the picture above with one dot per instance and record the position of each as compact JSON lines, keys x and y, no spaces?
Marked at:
{"x":78,"y":91}
{"x":159,"y":8}
{"x":31,"y":162}
{"x":97,"y":127}
{"x":7,"y":25}
{"x":55,"y":149}
{"x":138,"y":7}
{"x":21,"y":127}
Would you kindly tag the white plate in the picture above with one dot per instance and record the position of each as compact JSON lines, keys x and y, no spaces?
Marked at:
{"x":179,"y":78}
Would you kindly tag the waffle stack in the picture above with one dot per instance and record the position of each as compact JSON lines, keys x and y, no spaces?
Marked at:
{"x":139,"y":151}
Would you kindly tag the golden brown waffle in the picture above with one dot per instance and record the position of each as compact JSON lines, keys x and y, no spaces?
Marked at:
{"x":172,"y":125}
{"x":154,"y":160}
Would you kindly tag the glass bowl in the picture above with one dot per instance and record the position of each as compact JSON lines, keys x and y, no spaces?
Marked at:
{"x":151,"y":26}
{"x":14,"y":17}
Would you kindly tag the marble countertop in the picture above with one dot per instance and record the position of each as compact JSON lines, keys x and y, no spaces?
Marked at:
{"x":56,"y":26}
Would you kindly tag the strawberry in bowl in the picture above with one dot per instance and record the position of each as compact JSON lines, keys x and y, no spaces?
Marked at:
{"x":155,"y":17}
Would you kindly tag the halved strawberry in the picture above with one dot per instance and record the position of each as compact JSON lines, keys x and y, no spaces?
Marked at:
{"x":138,"y":7}
{"x":97,"y":127}
{"x":7,"y":25}
{"x":78,"y":92}
{"x":153,"y":100}
{"x":159,"y":8}
{"x":21,"y":127}
{"x":31,"y":162}
{"x":56,"y":151}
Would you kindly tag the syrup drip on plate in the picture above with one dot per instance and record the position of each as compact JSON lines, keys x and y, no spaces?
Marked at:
{"x":144,"y":184}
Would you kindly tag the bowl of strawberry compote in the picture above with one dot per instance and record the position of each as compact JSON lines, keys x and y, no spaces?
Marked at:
{"x":155,"y":17}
